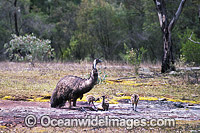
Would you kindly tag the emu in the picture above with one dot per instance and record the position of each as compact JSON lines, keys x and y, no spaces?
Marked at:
{"x":134,"y":101}
{"x":105,"y":105}
{"x":70,"y":88}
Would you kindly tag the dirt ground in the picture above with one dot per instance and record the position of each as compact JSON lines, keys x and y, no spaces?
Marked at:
{"x":13,"y":113}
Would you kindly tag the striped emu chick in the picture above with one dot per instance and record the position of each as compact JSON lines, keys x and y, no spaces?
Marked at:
{"x":134,"y":101}
{"x":91,"y":99}
{"x":105,"y":105}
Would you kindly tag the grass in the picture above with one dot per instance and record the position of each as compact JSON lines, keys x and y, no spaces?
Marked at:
{"x":21,"y":81}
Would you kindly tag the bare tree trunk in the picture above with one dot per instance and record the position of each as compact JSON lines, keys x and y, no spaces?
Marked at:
{"x":15,"y":18}
{"x":166,"y":27}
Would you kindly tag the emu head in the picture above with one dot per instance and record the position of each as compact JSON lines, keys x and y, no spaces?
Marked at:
{"x":96,"y":61}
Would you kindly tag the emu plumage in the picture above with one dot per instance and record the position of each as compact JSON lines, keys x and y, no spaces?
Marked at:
{"x":72,"y":87}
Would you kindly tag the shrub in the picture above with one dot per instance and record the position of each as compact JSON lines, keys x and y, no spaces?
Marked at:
{"x":134,"y":56}
{"x":190,"y":50}
{"x":28,"y":48}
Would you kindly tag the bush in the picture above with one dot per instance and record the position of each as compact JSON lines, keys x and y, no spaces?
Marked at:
{"x":134,"y":56}
{"x":190,"y":50}
{"x":28,"y":48}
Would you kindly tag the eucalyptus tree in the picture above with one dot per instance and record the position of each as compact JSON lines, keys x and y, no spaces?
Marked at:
{"x":167,"y":27}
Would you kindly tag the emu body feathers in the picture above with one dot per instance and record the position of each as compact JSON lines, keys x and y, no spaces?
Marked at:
{"x":72,"y":87}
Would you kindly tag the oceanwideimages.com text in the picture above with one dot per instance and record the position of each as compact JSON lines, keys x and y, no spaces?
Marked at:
{"x":96,"y":121}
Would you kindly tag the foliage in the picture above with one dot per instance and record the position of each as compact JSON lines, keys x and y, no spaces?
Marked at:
{"x":98,"y":23}
{"x":102,"y":77}
{"x":93,"y":28}
{"x":190,"y":50}
{"x":134,"y":56}
{"x":28,"y":48}
{"x":70,"y":51}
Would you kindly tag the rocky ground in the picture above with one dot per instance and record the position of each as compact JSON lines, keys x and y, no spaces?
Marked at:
{"x":13,"y":113}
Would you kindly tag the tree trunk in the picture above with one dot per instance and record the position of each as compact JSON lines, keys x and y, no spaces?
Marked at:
{"x":199,"y":13}
{"x":15,"y":18}
{"x":167,"y":59}
{"x":166,"y":27}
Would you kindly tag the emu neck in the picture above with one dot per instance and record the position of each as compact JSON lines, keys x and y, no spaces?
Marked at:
{"x":89,"y":83}
{"x":103,"y":100}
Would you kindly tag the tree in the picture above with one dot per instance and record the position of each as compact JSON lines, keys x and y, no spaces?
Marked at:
{"x":167,"y":27}
{"x":99,"y":29}
{"x":62,"y":15}
{"x":85,"y":29}
{"x":15,"y":17}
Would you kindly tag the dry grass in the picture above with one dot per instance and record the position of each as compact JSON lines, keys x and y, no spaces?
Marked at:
{"x":22,"y":81}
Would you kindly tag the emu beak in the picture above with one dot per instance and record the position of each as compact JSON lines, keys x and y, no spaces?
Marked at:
{"x":100,"y":61}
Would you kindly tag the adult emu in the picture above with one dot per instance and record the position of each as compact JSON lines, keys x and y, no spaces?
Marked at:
{"x":71,"y":88}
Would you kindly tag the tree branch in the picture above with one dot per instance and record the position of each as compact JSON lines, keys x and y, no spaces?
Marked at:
{"x":158,"y":4}
{"x":175,"y":18}
{"x":162,"y":13}
{"x":190,"y":38}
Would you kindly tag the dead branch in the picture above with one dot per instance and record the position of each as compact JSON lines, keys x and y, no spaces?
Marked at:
{"x":190,"y":38}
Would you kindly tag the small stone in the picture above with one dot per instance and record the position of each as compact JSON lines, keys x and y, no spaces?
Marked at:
{"x":172,"y":73}
{"x":178,"y":105}
{"x":162,"y":99}
{"x":190,"y":104}
{"x":194,"y":95}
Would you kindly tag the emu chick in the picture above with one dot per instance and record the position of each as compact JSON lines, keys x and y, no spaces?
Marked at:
{"x":134,"y":101}
{"x":91,"y":99}
{"x":105,"y":105}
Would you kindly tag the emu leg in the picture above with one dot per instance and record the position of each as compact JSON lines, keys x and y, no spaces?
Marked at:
{"x":136,"y":105}
{"x":133,"y":106}
{"x":93,"y":104}
{"x":74,"y":102}
{"x":70,"y":103}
